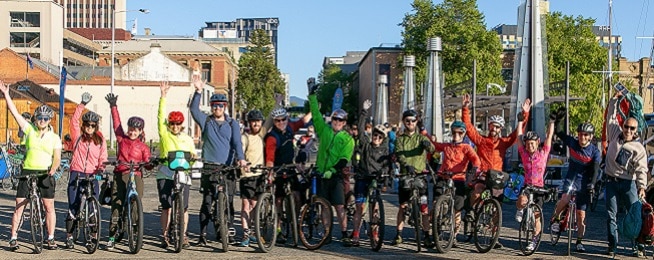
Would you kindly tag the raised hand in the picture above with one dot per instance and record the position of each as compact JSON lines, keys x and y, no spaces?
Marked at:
{"x":526,"y":106}
{"x":367,"y":104}
{"x":164,"y":87}
{"x":86,"y":98}
{"x":466,"y":100}
{"x":112,"y":99}
{"x":198,"y":83}
{"x":311,"y":85}
{"x":4,"y":87}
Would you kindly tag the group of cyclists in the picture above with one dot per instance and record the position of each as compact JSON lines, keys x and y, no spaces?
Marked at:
{"x":269,"y":141}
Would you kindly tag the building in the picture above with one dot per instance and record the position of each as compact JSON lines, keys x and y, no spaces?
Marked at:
{"x":241,"y":28}
{"x":639,"y":77}
{"x":381,"y":60}
{"x":93,"y":13}
{"x":102,"y":36}
{"x":78,"y":50}
{"x":348,"y":63}
{"x":34,"y":27}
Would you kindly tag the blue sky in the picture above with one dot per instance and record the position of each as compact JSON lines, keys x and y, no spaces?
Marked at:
{"x":312,"y":29}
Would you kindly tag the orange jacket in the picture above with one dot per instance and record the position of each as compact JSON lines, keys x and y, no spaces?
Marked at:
{"x":456,"y":158}
{"x":491,"y":152}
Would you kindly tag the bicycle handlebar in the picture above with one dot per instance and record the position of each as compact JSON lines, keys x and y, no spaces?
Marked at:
{"x":210,"y":168}
{"x":26,"y":174}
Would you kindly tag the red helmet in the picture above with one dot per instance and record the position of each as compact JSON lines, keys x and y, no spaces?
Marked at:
{"x":176,"y":117}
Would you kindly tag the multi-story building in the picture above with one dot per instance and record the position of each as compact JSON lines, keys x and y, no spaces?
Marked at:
{"x":639,"y":76}
{"x":348,"y":63}
{"x":381,"y":61}
{"x":93,"y":13}
{"x":241,"y":28}
{"x":78,"y":50}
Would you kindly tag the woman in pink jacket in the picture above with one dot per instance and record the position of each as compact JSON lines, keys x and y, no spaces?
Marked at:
{"x":89,"y":152}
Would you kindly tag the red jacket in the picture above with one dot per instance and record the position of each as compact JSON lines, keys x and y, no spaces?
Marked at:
{"x":128,"y":150}
{"x":491,"y":152}
{"x":456,"y":159}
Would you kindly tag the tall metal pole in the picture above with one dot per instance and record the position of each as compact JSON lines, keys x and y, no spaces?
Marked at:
{"x":610,"y":62}
{"x":113,"y":39}
{"x":567,"y":103}
{"x":435,"y":108}
{"x":474,"y":93}
{"x":409,"y":84}
{"x":382,"y":99}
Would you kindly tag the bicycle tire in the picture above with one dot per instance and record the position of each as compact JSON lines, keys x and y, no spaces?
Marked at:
{"x":135,"y":224}
{"x":310,"y":220}
{"x":417,"y":221}
{"x":443,"y":212}
{"x":177,"y":222}
{"x":350,"y":210}
{"x":265,"y":222}
{"x":376,"y":224}
{"x":572,"y":221}
{"x":289,"y":206}
{"x":490,"y":209}
{"x":93,"y":222}
{"x":554,"y":236}
{"x":36,"y":224}
{"x":528,"y":228}
{"x":222,"y":220}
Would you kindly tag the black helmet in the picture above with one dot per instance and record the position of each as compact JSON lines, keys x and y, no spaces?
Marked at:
{"x":586,"y":128}
{"x":531,"y":135}
{"x":409,"y":113}
{"x":90,"y":117}
{"x":254,"y":115}
{"x":218,"y":98}
{"x":136,"y":122}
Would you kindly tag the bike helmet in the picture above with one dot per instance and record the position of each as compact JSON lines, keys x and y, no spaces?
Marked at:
{"x":254,"y":115}
{"x":381,"y":129}
{"x":90,"y":117}
{"x":409,"y":113}
{"x":458,"y":125}
{"x":176,"y":117}
{"x":278,"y":112}
{"x":43,"y":110}
{"x":218,"y":98}
{"x":586,"y":128}
{"x":340,"y":114}
{"x":136,"y":122}
{"x":530,"y":136}
{"x":496,"y":120}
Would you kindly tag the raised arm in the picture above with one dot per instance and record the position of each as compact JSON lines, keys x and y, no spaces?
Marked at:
{"x":161,"y":115}
{"x":550,"y":134}
{"x":197,"y":115}
{"x":22,"y":123}
{"x":613,"y":128}
{"x":520,"y":132}
{"x":362,"y":119}
{"x":471,"y":130}
{"x":318,"y":122}
{"x":75,"y":130}
{"x":524,"y":117}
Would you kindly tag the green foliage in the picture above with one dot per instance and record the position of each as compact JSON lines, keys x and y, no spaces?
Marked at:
{"x":330,"y":78}
{"x":572,"y":39}
{"x":258,"y":78}
{"x":464,"y":37}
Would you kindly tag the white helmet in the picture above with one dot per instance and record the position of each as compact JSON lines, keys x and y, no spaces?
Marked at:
{"x":278,"y":112}
{"x":496,"y":120}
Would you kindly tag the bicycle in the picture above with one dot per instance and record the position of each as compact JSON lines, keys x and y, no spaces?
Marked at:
{"x":14,"y":166}
{"x":34,"y":211}
{"x":374,"y":226}
{"x":443,"y":216}
{"x":416,"y":183}
{"x":179,"y":162}
{"x":131,"y":220}
{"x":569,"y":221}
{"x":597,"y":191}
{"x":527,"y":230}
{"x":88,"y":219}
{"x":488,"y":218}
{"x":315,"y":216}
{"x":266,"y":216}
{"x":220,"y":210}
{"x":63,"y":171}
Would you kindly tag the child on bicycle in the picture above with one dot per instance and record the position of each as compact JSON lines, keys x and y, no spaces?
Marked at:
{"x":457,"y":155}
{"x":374,"y":161}
{"x":534,"y":162}
{"x":89,"y":152}
{"x":43,"y":152}
{"x":131,"y":148}
{"x":172,"y":138}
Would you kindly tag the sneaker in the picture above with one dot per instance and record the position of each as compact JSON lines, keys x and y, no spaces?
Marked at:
{"x":498,"y":245}
{"x":580,"y":248}
{"x":165,"y":242}
{"x":355,"y":242}
{"x":69,"y":243}
{"x":253,"y":238}
{"x":245,"y":242}
{"x":347,"y":242}
{"x":202,"y":241}
{"x":280,"y":238}
{"x":518,"y":215}
{"x":531,"y":246}
{"x":13,"y":245}
{"x":555,"y":227}
{"x":232,"y":235}
{"x":110,"y":244}
{"x":50,"y":244}
{"x":185,"y":243}
{"x":428,"y":243}
{"x":455,"y":244}
{"x":639,"y":253}
{"x":610,"y":252}
{"x":397,"y":240}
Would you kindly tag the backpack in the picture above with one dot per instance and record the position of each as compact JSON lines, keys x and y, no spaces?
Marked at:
{"x":635,"y":110}
{"x":629,"y":226}
{"x":647,"y":229}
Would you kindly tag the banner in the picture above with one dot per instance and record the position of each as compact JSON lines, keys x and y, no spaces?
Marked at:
{"x":338,"y":99}
{"x":62,"y":89}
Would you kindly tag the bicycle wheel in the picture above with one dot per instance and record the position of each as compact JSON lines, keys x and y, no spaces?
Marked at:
{"x":177,"y":223}
{"x":265,"y":222}
{"x":570,"y":226}
{"x":554,"y":236}
{"x":314,"y":231}
{"x":417,"y":222}
{"x":6,"y":184}
{"x":290,"y":219}
{"x":222,"y":220}
{"x":350,"y":209}
{"x":527,"y":231}
{"x":36,"y":224}
{"x":377,"y":219}
{"x":443,"y":223}
{"x":92,"y":225}
{"x":487,"y":225}
{"x":135,"y":224}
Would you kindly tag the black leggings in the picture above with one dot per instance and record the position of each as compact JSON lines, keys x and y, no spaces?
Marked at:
{"x":207,"y":198}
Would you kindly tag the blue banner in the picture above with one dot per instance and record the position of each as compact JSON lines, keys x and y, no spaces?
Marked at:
{"x":62,"y":89}
{"x":338,"y":99}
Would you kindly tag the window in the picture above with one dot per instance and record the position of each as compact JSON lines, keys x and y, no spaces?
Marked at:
{"x":206,"y":71}
{"x":25,"y":19}
{"x":25,"y":39}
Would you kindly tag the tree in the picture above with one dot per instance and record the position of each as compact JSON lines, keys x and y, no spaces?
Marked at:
{"x":572,"y":39}
{"x":464,"y":38}
{"x":331,"y":78}
{"x":259,"y":79}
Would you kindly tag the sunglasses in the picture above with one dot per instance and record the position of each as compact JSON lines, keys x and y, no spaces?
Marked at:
{"x":630,"y":127}
{"x":43,"y":118}
{"x":217,"y":105}
{"x":174,"y":123}
{"x":411,"y":120}
{"x":338,"y":119}
{"x":457,"y":133}
{"x":90,"y":125}
{"x":279,"y":120}
{"x":377,"y":136}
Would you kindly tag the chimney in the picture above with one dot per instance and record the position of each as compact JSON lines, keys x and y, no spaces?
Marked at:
{"x":155,"y":47}
{"x":147,"y":31}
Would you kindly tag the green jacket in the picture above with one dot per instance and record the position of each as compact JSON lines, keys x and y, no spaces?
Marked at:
{"x":409,"y":151}
{"x":333,"y":146}
{"x":169,"y":142}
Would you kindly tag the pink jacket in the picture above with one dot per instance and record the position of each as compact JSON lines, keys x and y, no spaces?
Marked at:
{"x":87,"y":156}
{"x":128,"y":150}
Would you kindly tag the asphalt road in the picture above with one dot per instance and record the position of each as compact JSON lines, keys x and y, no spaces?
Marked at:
{"x":594,"y":241}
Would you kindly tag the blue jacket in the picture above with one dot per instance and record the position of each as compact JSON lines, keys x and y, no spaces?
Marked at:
{"x":221,"y":142}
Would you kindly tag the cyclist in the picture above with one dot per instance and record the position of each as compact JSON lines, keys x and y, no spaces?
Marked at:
{"x":252,"y":141}
{"x":43,"y":152}
{"x":279,"y":150}
{"x":221,"y":143}
{"x":334,"y":153}
{"x":171,"y":138}
{"x":411,"y":150}
{"x":491,"y":148}
{"x":375,"y":161}
{"x":626,"y":170}
{"x":89,"y":152}
{"x":583,"y":168}
{"x":131,"y":148}
{"x":534,"y":162}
